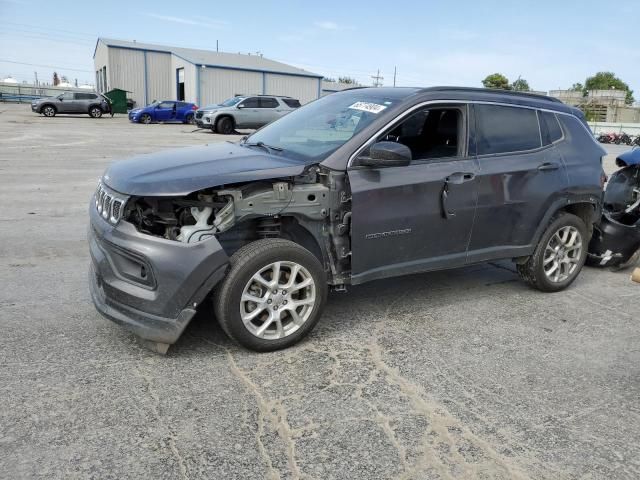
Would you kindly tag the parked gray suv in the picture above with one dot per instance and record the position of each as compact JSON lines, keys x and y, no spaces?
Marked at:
{"x":244,"y":112}
{"x":360,"y":185}
{"x":91,"y":103}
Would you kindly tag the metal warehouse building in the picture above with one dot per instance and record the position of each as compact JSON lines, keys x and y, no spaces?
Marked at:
{"x":155,"y":72}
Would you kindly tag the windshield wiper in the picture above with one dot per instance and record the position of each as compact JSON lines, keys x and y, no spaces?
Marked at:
{"x":268,"y":148}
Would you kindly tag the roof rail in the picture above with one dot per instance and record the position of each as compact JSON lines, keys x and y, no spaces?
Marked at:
{"x":498,"y":91}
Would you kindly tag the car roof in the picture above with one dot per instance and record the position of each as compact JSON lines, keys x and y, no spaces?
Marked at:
{"x":468,"y":94}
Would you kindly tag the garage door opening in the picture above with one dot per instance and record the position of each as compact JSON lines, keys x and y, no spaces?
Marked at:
{"x":180,"y":81}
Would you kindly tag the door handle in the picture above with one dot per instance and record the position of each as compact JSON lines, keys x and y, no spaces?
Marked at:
{"x":459,"y":178}
{"x":444,"y":196}
{"x":549,"y":166}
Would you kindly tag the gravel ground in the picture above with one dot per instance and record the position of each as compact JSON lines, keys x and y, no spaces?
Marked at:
{"x":459,"y":374}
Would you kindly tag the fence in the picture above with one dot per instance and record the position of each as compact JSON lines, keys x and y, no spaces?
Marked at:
{"x":611,"y":127}
{"x":27,"y":93}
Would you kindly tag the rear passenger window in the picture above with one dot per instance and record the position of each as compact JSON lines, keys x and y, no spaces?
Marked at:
{"x":268,"y":102}
{"x":551,"y":131}
{"x":291,"y":102}
{"x":506,"y":129}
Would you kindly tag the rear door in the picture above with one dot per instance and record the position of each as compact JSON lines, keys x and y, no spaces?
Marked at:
{"x":270,"y":110}
{"x":417,"y":217}
{"x":518,"y":181}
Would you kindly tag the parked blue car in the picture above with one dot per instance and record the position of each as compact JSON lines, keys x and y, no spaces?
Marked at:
{"x":164,"y":111}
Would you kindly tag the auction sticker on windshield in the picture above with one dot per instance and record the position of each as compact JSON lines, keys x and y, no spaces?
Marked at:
{"x":368,"y":107}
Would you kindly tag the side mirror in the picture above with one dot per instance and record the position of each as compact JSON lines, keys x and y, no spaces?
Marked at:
{"x":387,"y":154}
{"x":240,"y":107}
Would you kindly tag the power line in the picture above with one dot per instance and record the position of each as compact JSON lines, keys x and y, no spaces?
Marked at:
{"x":46,"y":66}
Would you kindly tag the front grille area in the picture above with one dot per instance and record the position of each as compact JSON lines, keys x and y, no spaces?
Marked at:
{"x":199,"y":114}
{"x":109,"y":204}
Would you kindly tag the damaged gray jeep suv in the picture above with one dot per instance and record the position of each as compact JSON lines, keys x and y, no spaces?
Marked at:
{"x":360,"y":185}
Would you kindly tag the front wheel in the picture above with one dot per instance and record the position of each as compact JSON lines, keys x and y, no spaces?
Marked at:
{"x":559,"y":256}
{"x":272,"y":296}
{"x":95,"y":112}
{"x":49,"y":111}
{"x":145,"y":118}
{"x":224,"y":126}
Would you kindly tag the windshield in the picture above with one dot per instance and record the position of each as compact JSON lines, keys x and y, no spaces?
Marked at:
{"x":231,"y":101}
{"x":318,"y":129}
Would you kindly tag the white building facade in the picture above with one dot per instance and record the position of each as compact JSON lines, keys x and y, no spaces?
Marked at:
{"x":156,"y":72}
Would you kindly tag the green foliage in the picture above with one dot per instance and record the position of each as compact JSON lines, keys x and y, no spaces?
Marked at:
{"x":348,"y":80}
{"x":329,"y":79}
{"x":608,"y":81}
{"x":521,"y":85}
{"x":577,"y":87}
{"x":496,"y":80}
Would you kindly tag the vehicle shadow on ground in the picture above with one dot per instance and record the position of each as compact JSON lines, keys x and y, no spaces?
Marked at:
{"x":363,"y":301}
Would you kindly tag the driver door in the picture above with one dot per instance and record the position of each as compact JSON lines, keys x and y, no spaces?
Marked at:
{"x":66,"y":103}
{"x":248,"y":113}
{"x":418,"y":217}
{"x":164,"y":111}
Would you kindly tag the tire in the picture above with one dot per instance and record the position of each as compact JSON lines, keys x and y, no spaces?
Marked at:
{"x":95,"y":112}
{"x":189,"y":119}
{"x":224,"y":125}
{"x":145,"y":118}
{"x":275,"y":318}
{"x":538,"y":271}
{"x":49,"y":111}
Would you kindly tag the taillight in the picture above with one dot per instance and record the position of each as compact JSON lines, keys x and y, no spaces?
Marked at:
{"x":194,"y":107}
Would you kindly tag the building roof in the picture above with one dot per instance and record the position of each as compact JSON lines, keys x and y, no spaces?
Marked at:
{"x":211,"y":58}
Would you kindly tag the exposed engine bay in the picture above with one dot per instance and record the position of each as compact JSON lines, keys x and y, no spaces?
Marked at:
{"x":314,"y":207}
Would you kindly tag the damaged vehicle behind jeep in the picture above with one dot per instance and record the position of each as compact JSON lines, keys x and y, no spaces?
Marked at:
{"x":360,"y":185}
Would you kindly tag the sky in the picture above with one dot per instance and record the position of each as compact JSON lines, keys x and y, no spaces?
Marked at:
{"x":551,"y":44}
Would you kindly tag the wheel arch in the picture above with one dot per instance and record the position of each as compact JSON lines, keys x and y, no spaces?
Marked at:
{"x":587,"y":209}
{"x":48,"y":104}
{"x":224,"y":115}
{"x":93,"y":105}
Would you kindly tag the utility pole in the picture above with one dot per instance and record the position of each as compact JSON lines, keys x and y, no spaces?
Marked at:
{"x":394,"y":75}
{"x":377,"y":79}
{"x":217,"y":46}
{"x":36,"y":74}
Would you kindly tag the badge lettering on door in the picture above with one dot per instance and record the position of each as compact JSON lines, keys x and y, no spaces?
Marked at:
{"x":392,"y":233}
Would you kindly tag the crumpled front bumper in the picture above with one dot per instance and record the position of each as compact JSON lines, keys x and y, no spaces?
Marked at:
{"x":150,"y":285}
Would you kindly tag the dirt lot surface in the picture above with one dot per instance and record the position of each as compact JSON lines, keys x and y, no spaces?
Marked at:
{"x":459,"y":374}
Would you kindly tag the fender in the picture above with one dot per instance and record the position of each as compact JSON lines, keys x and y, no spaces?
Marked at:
{"x":562,"y":204}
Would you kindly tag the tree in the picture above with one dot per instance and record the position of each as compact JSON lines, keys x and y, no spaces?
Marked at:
{"x":520,"y":85}
{"x":577,"y":87}
{"x":56,"y":80}
{"x":496,"y":80}
{"x":608,"y":81}
{"x":347,"y":80}
{"x":329,"y":79}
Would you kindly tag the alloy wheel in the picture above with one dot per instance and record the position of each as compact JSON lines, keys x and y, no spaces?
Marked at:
{"x":562,"y":254}
{"x":278,"y":300}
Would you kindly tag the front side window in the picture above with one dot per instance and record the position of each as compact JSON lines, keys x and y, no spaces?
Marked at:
{"x":506,"y":129}
{"x":66,"y":96}
{"x":252,"y":102}
{"x":430,"y":133}
{"x":166,"y":105}
{"x":268,"y":102}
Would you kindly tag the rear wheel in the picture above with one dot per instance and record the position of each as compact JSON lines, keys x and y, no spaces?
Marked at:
{"x":559,"y":256}
{"x":189,"y":119}
{"x":145,"y":118}
{"x":224,"y":126}
{"x":95,"y":112}
{"x":272,"y":296}
{"x":49,"y":111}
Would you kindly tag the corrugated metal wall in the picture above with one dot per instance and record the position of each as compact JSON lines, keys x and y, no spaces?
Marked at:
{"x":190,"y":89}
{"x":159,"y":85}
{"x":304,"y":89}
{"x":125,"y":70}
{"x":100,"y":61}
{"x":217,"y":84}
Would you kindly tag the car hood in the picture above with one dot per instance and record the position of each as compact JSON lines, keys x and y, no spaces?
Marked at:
{"x":182,"y":171}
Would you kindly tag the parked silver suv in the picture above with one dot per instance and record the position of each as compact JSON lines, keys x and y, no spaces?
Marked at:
{"x":91,"y":103}
{"x":244,"y":112}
